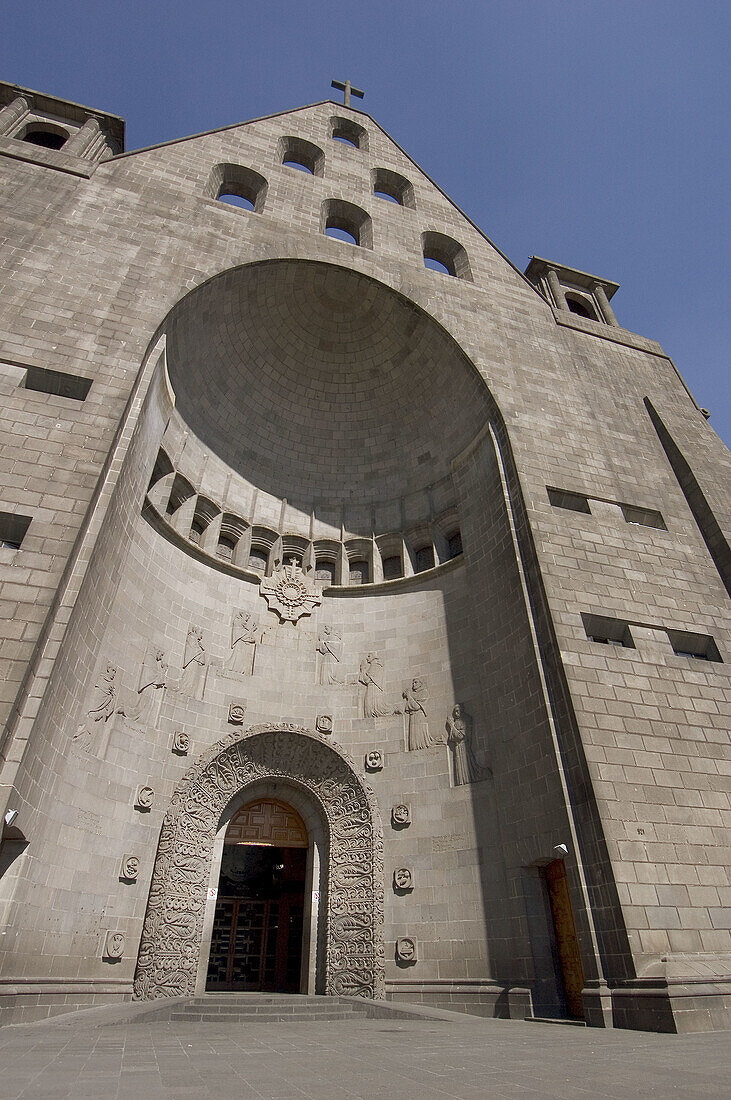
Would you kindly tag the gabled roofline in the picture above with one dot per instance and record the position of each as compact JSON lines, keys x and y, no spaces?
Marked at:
{"x":364,"y":114}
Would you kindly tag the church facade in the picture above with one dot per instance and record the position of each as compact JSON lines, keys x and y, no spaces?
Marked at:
{"x":364,"y":598}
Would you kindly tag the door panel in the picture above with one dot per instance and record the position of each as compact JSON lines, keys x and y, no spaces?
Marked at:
{"x":567,"y":942}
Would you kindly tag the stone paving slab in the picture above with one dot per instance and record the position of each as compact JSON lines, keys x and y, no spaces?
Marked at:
{"x":449,"y":1059}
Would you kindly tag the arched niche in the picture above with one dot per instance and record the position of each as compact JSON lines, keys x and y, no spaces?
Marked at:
{"x":340,"y":812}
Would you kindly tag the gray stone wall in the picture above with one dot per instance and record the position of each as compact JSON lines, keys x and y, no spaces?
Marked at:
{"x":95,"y":267}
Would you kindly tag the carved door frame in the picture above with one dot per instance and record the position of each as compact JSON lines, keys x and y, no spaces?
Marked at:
{"x":345,"y":955}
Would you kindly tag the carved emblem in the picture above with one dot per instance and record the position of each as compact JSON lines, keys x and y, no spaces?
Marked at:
{"x":181,"y":743}
{"x":290,"y":593}
{"x":113,"y":945}
{"x":403,"y":879}
{"x":130,"y":868}
{"x":400,"y":815}
{"x":350,"y":934}
{"x":406,"y":950}
{"x":236,"y":712}
{"x":144,"y":798}
{"x":324,"y":723}
{"x":374,"y":760}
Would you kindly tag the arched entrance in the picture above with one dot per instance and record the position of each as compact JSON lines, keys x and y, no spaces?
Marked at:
{"x":343,"y":903}
{"x":256,"y":939}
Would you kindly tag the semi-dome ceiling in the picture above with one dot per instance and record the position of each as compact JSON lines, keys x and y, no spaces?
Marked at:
{"x":319,"y":384}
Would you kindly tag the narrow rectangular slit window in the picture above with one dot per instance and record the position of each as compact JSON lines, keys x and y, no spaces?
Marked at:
{"x":57,"y":382}
{"x":612,"y":632}
{"x":13,"y":529}
{"x":643,"y":517}
{"x":573,"y":502}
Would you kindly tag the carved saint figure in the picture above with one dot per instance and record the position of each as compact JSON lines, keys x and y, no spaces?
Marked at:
{"x":103,"y":703}
{"x":153,"y":674}
{"x":418,"y":723}
{"x":330,"y":649}
{"x":244,"y":636}
{"x":194,"y":664}
{"x":373,"y":704}
{"x":459,"y":739}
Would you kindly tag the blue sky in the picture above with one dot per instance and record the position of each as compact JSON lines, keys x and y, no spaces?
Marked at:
{"x":594,"y":134}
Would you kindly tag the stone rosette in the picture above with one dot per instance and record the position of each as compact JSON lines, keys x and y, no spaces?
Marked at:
{"x":290,"y":593}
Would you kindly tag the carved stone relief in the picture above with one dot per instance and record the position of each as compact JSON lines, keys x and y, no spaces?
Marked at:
{"x":324,"y":723}
{"x":181,"y":743}
{"x":130,"y":868}
{"x":374,"y":760}
{"x":406,"y":952}
{"x":417,"y":722}
{"x":143,"y":707}
{"x":145,"y":798}
{"x":401,"y":816}
{"x":290,"y":593}
{"x":236,"y":712}
{"x":403,"y":879}
{"x":192,"y":678}
{"x":330,"y":654}
{"x":244,"y":639}
{"x":103,"y":704}
{"x":350,"y":938}
{"x":372,"y":698}
{"x":114,"y":943}
{"x":459,"y":738}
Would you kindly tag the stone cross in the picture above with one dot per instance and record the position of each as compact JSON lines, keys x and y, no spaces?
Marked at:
{"x":347,"y":89}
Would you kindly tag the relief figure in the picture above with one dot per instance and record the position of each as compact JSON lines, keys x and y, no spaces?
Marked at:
{"x":370,"y":676}
{"x":415,"y":699}
{"x":459,"y":739}
{"x":142,"y":707}
{"x":103,"y":705}
{"x":194,"y":664}
{"x":330,"y":650}
{"x":244,"y":637}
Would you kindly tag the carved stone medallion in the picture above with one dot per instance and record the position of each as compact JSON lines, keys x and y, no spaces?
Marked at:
{"x":290,"y":593}
{"x":350,"y":931}
{"x":130,"y":868}
{"x":181,"y":743}
{"x":114,"y":943}
{"x":374,"y":760}
{"x":403,"y":879}
{"x":236,"y":712}
{"x":145,"y":798}
{"x":406,"y":950}
{"x":324,"y":723}
{"x":400,"y":815}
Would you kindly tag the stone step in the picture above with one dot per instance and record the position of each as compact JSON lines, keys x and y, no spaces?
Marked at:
{"x":261,"y":1007}
{"x":258,"y":1017}
{"x":565,"y":1020}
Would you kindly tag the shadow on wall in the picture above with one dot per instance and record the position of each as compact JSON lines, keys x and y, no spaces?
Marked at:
{"x":520,"y":813}
{"x":321,"y":385}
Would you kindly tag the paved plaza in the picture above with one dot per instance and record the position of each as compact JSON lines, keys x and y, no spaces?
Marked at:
{"x":458,"y":1057}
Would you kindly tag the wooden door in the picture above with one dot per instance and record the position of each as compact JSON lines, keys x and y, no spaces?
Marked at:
{"x":257,"y":945}
{"x":567,"y":942}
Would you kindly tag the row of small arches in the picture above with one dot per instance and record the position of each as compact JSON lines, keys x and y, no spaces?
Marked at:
{"x":258,"y":549}
{"x":241,"y":186}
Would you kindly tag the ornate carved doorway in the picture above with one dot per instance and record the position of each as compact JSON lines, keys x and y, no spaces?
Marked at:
{"x":256,"y":943}
{"x":345,"y":902}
